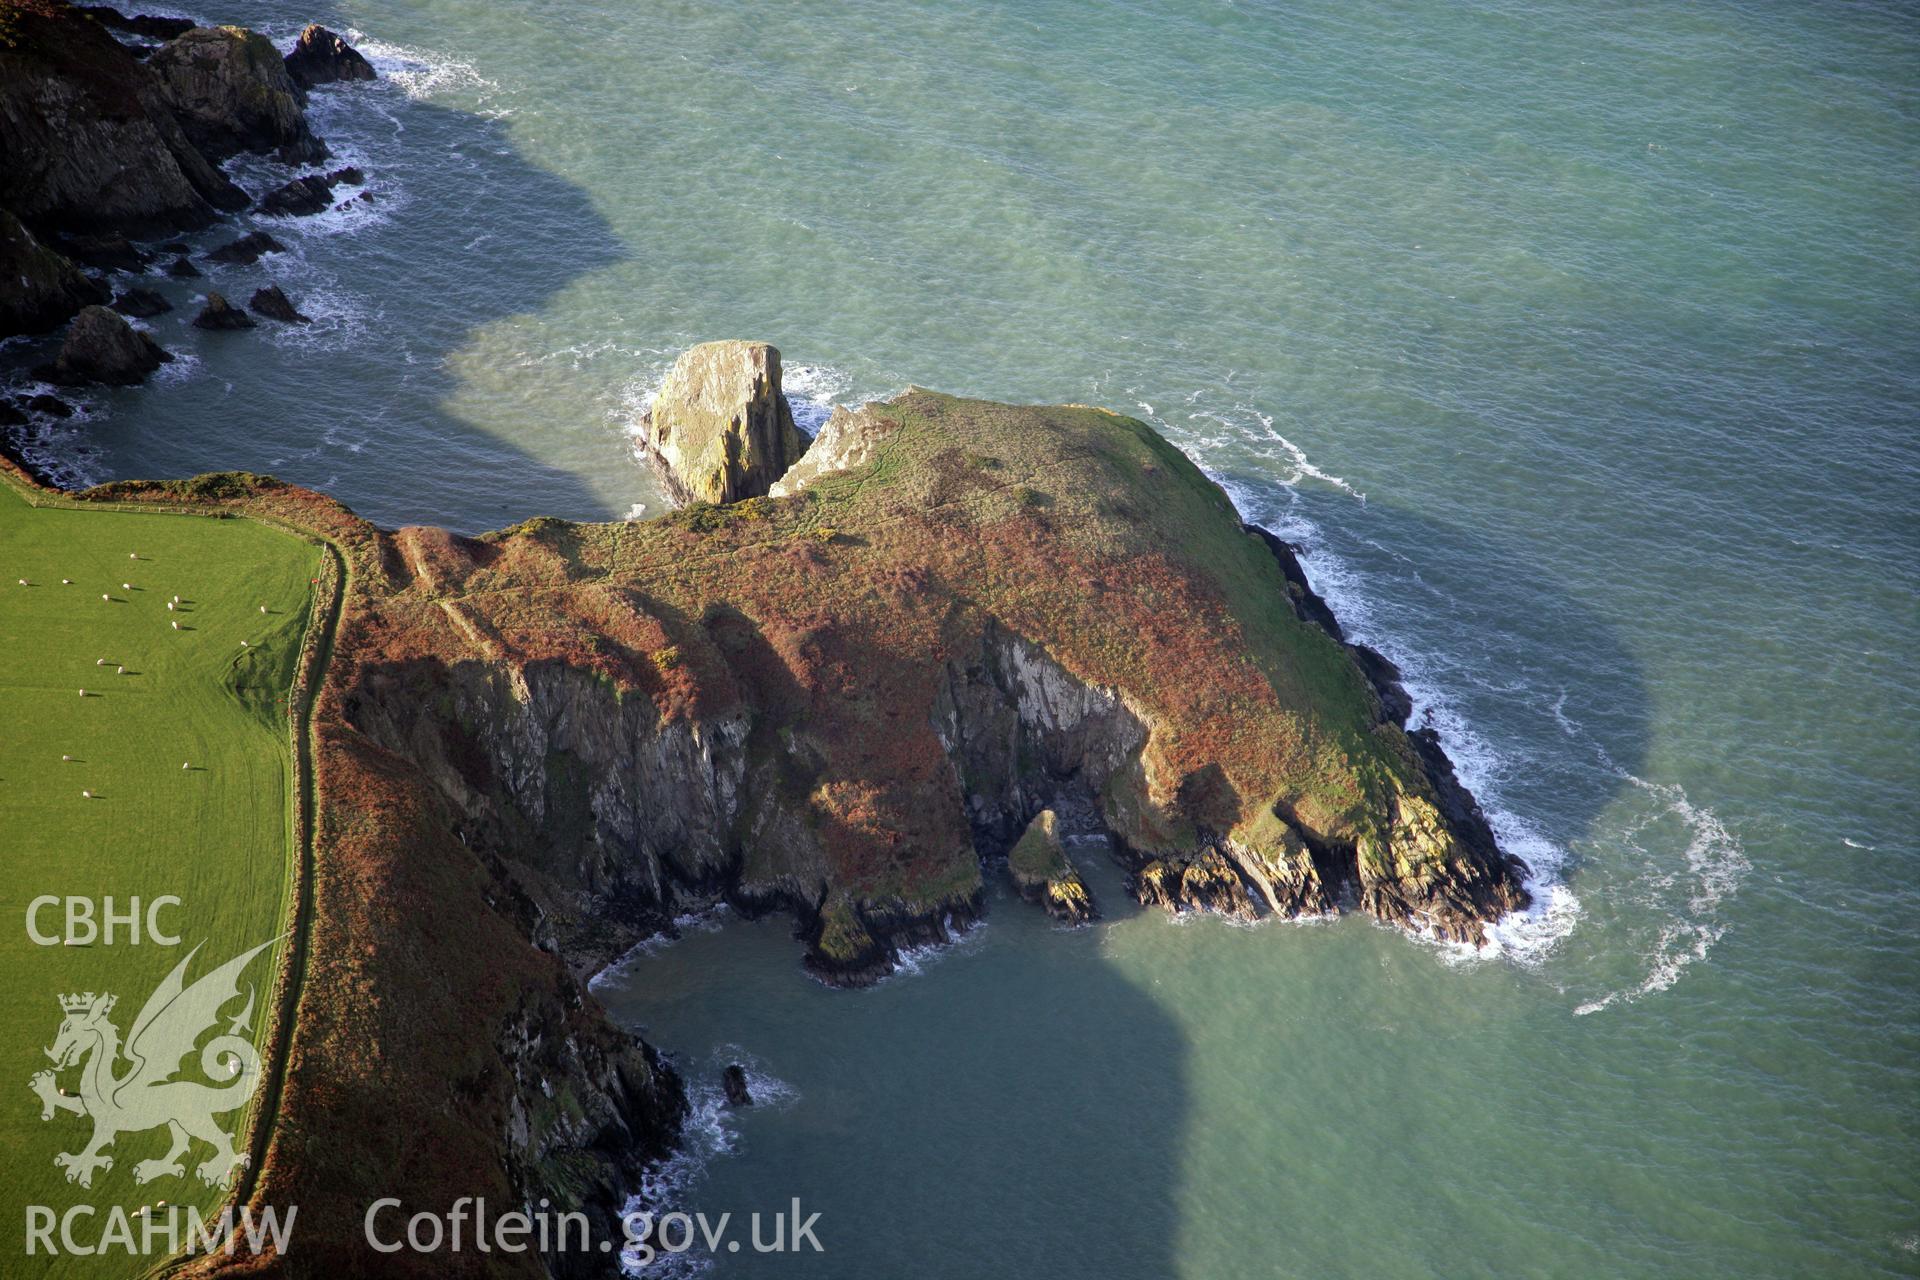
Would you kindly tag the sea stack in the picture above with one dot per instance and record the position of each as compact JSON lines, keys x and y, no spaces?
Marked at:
{"x":101,"y":346}
{"x":721,"y":430}
{"x":321,"y":57}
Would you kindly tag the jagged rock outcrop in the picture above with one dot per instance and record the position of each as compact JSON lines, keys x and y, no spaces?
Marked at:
{"x":88,"y":142}
{"x":247,"y":250}
{"x":321,"y":57}
{"x":100,"y":346}
{"x":39,"y":289}
{"x":1042,"y":873}
{"x":720,"y":428}
{"x":141,"y":304}
{"x":182,"y":269}
{"x":301,"y":197}
{"x":275,"y":305}
{"x":231,"y":93}
{"x":733,"y":1082}
{"x":218,"y":313}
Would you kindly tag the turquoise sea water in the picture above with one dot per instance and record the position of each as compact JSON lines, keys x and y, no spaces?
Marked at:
{"x":1581,"y":347}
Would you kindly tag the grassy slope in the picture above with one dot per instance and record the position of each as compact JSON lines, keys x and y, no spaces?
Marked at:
{"x":218,"y":836}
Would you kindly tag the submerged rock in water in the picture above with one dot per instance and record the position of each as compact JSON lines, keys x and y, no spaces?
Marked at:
{"x":734,"y":1081}
{"x":231,"y":93}
{"x":101,"y":346}
{"x":321,"y":57}
{"x":221,"y":314}
{"x":274,"y":305}
{"x":39,"y":288}
{"x":51,"y":405}
{"x":181,"y":269}
{"x":720,"y":429}
{"x":247,"y":249}
{"x":142,"y":304}
{"x":1041,"y":872}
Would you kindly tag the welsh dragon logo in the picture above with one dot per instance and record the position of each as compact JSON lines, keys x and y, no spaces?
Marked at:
{"x":146,"y":1093}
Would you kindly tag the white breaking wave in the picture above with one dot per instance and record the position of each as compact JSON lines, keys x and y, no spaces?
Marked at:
{"x":711,"y":1131}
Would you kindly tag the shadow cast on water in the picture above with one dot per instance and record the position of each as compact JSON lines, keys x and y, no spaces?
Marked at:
{"x":466,"y":232}
{"x":964,"y":1120}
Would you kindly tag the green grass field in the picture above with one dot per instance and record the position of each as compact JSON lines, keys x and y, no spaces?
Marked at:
{"x":218,"y":836}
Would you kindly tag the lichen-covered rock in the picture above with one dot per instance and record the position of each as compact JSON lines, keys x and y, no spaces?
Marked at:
{"x":231,"y":93}
{"x":101,"y":346}
{"x":39,"y":289}
{"x":848,"y":440}
{"x":720,"y":428}
{"x":321,"y":57}
{"x":218,"y":313}
{"x":275,"y":305}
{"x":88,"y":142}
{"x":1041,"y":872}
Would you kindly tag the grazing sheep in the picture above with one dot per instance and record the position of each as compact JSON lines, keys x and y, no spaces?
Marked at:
{"x":66,"y":582}
{"x":119,"y":671}
{"x":99,"y":662}
{"x":176,"y":626}
{"x":86,"y":795}
{"x":23,"y":582}
{"x":105,"y":596}
{"x":126,"y":586}
{"x":169,"y":606}
{"x":186,"y":764}
{"x":83,"y":693}
{"x":243,"y":644}
{"x":65,"y":758}
{"x":263,"y":608}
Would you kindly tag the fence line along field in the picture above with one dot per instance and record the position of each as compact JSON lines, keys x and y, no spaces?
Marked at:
{"x":170,"y":776}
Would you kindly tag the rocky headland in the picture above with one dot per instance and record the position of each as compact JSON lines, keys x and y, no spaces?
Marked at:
{"x":847,"y":679}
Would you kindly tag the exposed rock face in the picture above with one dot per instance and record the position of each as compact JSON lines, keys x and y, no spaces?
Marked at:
{"x":181,"y":269}
{"x":142,"y":304}
{"x":39,"y":289}
{"x":1041,"y":872}
{"x":231,"y":93}
{"x":321,"y":57}
{"x":274,"y":305}
{"x":850,"y":439}
{"x":221,"y":314}
{"x":720,"y":428}
{"x":734,"y":1081}
{"x":247,"y":250}
{"x":101,"y":346}
{"x":105,"y":252}
{"x":87,"y":140}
